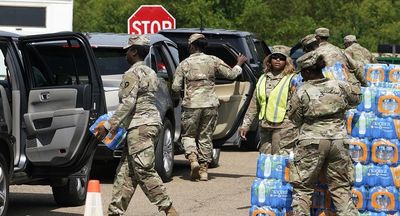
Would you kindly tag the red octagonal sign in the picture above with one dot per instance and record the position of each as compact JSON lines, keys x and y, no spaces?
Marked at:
{"x":149,"y":19}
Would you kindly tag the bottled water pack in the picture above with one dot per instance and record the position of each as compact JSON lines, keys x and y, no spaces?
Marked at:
{"x":112,"y":140}
{"x":270,"y":192}
{"x":273,"y":167}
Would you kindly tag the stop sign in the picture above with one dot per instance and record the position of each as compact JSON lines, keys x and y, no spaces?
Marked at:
{"x":150,"y":19}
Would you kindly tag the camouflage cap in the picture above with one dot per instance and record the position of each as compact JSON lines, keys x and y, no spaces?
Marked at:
{"x":139,"y":40}
{"x":195,"y":37}
{"x":307,"y":60}
{"x":350,"y":38}
{"x":281,"y":49}
{"x":322,"y":32}
{"x":308,"y":39}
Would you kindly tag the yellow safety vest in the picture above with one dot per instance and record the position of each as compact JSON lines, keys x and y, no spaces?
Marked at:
{"x":275,"y":110}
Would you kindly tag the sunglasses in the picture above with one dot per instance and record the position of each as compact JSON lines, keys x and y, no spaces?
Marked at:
{"x":280,"y":57}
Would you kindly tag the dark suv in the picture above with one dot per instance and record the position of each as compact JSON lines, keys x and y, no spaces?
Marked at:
{"x":220,"y":41}
{"x":50,"y":94}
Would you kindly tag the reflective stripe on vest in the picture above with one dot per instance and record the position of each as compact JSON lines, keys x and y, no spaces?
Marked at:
{"x":275,"y":110}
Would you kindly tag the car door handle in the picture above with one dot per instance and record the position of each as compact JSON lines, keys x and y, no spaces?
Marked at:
{"x":44,"y":96}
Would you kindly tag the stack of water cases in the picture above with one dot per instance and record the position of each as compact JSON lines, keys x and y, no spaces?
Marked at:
{"x":375,"y":130}
{"x":271,"y":194}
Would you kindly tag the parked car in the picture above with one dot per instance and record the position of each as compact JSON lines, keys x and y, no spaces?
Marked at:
{"x":164,"y":59}
{"x":242,"y":42}
{"x":50,"y":93}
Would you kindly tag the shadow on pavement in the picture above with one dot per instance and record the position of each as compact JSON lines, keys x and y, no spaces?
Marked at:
{"x":104,"y":171}
{"x":34,"y":204}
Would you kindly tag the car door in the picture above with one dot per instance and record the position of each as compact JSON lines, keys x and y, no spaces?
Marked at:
{"x":234,"y":95}
{"x":64,"y":97}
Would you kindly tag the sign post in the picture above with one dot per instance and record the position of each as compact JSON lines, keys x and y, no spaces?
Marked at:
{"x":149,"y":19}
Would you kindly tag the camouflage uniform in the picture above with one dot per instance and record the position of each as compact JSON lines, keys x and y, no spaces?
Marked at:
{"x":275,"y":138}
{"x":333,"y":54}
{"x":318,"y":108}
{"x":358,"y":53}
{"x":196,"y":75}
{"x":139,"y":114}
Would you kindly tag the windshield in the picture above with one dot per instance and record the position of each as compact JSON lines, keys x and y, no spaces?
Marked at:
{"x":111,"y":61}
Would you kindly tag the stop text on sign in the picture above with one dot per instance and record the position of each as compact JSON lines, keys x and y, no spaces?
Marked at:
{"x":150,"y":27}
{"x":150,"y":19}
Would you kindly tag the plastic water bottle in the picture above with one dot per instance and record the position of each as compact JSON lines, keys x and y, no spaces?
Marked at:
{"x":261,"y":165}
{"x":257,"y":196}
{"x":385,"y":178}
{"x":383,"y":199}
{"x":263,"y":211}
{"x":359,"y":150}
{"x":393,"y":73}
{"x":362,"y":125}
{"x":360,"y":195}
{"x":359,"y":174}
{"x":372,"y":176}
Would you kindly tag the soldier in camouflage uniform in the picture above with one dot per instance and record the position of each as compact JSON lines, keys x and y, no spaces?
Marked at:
{"x":309,"y":43}
{"x":333,"y":54}
{"x":138,"y":113}
{"x":318,"y":108}
{"x":276,"y":137}
{"x":357,"y":52}
{"x":196,"y":76}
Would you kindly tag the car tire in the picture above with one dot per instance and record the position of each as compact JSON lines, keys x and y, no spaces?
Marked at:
{"x":73,"y":193}
{"x":164,"y":153}
{"x":215,"y":158}
{"x":4,"y":186}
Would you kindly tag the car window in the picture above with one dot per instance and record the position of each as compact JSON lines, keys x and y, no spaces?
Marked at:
{"x":57,"y":63}
{"x":261,"y":50}
{"x":3,"y":67}
{"x":253,"y":50}
{"x":111,"y":61}
{"x":175,"y":54}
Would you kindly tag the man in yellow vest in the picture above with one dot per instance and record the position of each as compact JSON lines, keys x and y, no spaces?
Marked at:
{"x":270,"y":104}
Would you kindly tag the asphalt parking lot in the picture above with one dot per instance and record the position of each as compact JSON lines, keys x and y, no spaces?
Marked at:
{"x":227,"y":193}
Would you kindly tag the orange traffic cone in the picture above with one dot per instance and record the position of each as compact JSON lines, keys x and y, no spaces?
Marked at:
{"x":93,"y":206}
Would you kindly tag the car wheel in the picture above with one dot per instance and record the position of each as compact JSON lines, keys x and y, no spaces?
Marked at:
{"x":4,"y":186}
{"x":73,"y":193}
{"x":215,"y":158}
{"x":165,"y":152}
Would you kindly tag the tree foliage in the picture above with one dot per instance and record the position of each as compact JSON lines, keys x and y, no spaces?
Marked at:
{"x":275,"y":21}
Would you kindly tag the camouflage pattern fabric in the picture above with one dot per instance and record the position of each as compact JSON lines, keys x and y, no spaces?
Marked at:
{"x":360,"y":54}
{"x":198,"y":126}
{"x":138,"y":169}
{"x":311,"y":157}
{"x":318,"y":108}
{"x":285,"y":133}
{"x":137,"y":98}
{"x":278,"y":140}
{"x":196,"y":75}
{"x":333,"y":54}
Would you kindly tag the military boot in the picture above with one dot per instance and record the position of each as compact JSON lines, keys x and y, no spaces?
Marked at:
{"x":203,"y":172}
{"x":194,"y":166}
{"x":170,"y":211}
